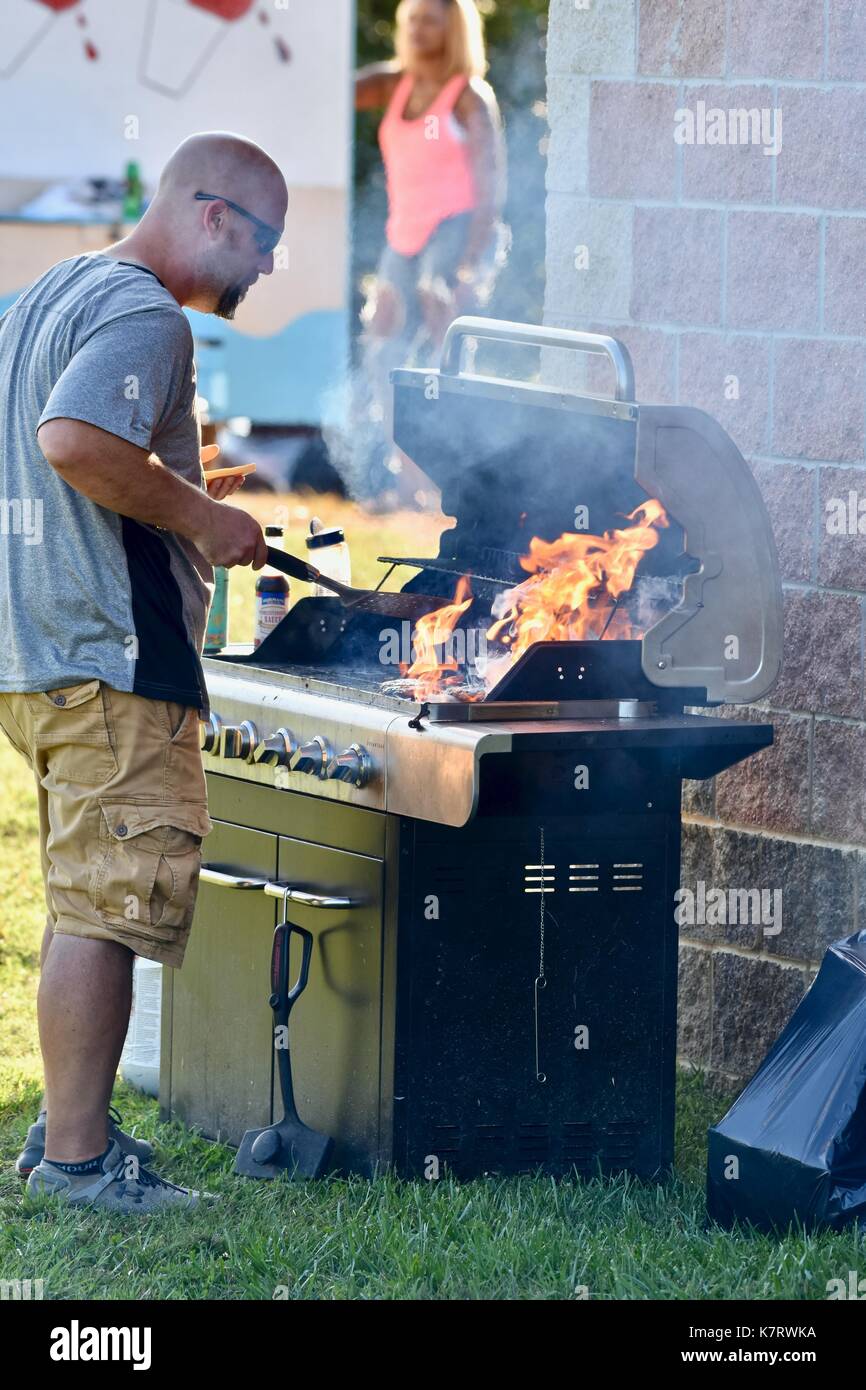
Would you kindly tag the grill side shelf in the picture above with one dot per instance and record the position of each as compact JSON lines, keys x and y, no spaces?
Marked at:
{"x":435,"y":773}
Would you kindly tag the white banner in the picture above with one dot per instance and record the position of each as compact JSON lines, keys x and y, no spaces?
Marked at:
{"x":87,"y":85}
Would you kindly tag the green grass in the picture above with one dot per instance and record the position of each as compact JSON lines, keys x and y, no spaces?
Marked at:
{"x":526,"y":1238}
{"x":523,"y":1238}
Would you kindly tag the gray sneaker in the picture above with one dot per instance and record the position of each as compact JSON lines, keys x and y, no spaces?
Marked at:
{"x":122,"y":1185}
{"x":34,"y":1145}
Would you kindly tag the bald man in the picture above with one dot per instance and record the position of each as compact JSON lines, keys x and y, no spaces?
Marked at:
{"x":105,"y":582}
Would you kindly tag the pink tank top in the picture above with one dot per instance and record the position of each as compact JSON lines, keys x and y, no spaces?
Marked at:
{"x":427,"y":166}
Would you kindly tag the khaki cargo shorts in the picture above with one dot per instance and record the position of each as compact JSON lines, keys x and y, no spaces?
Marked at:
{"x":122,"y":812}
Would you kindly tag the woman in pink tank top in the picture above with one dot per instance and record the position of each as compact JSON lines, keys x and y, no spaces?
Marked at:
{"x":442,"y":149}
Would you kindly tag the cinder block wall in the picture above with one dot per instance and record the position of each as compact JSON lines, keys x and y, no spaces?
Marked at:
{"x":738,"y":282}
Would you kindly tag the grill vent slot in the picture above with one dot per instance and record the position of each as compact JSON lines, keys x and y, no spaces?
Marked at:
{"x":489,"y":1135}
{"x":539,"y":878}
{"x":533,"y":1144}
{"x":621,"y":1142}
{"x":628,"y":878}
{"x":446,"y":1139}
{"x":580,"y":1144}
{"x":583,"y":878}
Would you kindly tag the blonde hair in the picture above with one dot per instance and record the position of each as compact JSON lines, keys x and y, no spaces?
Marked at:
{"x":464,"y":39}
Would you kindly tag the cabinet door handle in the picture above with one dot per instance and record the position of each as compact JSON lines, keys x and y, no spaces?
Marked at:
{"x":304,"y":897}
{"x":224,"y":880}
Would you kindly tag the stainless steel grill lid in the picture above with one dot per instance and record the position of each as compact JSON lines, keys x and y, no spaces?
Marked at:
{"x":516,"y":459}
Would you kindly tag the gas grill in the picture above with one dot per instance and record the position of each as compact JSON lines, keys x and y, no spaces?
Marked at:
{"x":488,"y":869}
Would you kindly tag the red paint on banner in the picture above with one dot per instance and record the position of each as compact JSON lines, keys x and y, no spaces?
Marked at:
{"x":224,"y":9}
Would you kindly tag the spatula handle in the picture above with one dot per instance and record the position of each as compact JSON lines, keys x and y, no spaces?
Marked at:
{"x":296,"y":569}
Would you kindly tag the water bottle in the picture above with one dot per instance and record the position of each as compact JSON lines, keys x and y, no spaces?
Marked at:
{"x":139,"y":1061}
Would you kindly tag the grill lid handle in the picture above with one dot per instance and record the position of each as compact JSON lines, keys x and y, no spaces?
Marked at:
{"x":532,"y":335}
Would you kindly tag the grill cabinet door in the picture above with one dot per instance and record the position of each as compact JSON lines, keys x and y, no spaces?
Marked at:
{"x":500,"y":1075}
{"x":334,"y":1032}
{"x":217,"y":1025}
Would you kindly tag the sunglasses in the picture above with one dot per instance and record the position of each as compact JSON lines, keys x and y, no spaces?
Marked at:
{"x":266,"y":237}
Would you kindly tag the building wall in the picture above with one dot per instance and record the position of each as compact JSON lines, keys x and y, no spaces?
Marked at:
{"x":738,"y":282}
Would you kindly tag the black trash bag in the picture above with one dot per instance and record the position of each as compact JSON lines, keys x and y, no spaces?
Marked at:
{"x":798,"y":1131}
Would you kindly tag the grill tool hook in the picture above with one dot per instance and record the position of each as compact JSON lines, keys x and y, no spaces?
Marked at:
{"x":423,"y":713}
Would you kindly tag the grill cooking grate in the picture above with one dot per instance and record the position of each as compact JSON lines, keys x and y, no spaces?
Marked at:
{"x":490,"y":566}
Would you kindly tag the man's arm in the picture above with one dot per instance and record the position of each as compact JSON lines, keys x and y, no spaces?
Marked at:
{"x":122,"y":478}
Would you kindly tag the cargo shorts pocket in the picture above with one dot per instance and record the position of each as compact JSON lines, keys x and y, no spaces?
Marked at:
{"x":72,"y":728}
{"x":149,"y":861}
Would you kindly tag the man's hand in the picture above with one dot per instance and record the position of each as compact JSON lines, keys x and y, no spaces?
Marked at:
{"x":219,"y":488}
{"x":232,"y":537}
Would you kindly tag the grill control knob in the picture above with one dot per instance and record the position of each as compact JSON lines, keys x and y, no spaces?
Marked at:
{"x":352,"y":765}
{"x":276,"y":750}
{"x":313,"y":757}
{"x":238,"y":740}
{"x":209,"y":731}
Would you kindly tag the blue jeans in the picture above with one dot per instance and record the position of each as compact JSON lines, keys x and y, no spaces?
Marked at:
{"x":411,"y":345}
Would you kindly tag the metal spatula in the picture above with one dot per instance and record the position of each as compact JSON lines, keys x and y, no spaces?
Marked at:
{"x":411,"y":606}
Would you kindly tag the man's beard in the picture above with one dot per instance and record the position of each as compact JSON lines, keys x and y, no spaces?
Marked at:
{"x":229,"y":301}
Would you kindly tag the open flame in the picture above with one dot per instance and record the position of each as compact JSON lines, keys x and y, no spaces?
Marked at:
{"x":572,"y":594}
{"x":575,"y":583}
{"x":433,"y":670}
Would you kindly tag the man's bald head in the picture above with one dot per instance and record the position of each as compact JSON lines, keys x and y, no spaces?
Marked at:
{"x":212,"y":251}
{"x":216,"y":161}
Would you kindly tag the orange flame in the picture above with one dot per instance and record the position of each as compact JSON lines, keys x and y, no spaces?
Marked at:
{"x":563,"y":600}
{"x":571,"y":593}
{"x":433,"y":630}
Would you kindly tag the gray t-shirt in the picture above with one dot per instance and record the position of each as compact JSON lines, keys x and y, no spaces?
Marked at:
{"x":85,"y":592}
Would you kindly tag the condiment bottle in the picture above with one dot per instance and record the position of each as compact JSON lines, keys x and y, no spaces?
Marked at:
{"x":272,"y":594}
